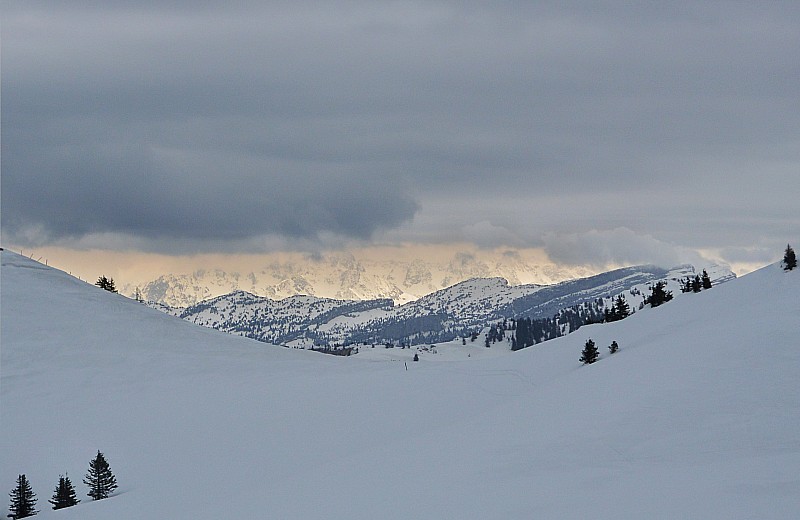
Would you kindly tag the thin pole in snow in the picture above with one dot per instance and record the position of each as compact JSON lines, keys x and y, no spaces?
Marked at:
{"x":406,"y":364}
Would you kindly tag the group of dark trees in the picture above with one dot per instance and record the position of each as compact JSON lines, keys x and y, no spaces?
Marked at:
{"x":335,"y":350}
{"x":589,"y":354}
{"x":525,"y":335}
{"x":497,"y":332}
{"x":106,"y":283}
{"x":64,"y":495}
{"x":99,"y":478}
{"x":658,"y":294}
{"x":530,"y":331}
{"x":696,"y":284}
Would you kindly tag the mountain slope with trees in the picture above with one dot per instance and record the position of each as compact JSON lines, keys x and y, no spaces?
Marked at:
{"x":458,"y":311}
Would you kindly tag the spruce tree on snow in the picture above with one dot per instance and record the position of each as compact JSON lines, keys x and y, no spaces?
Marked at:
{"x":100,"y":479}
{"x":706,"y":280}
{"x":23,"y":499}
{"x":623,"y":309}
{"x":590,"y":353}
{"x":697,"y":285}
{"x":613,"y":347}
{"x":106,"y":283}
{"x":789,"y":259}
{"x":64,"y":495}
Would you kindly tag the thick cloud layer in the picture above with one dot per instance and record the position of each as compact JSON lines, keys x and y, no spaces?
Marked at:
{"x":174,"y":122}
{"x":616,"y":246}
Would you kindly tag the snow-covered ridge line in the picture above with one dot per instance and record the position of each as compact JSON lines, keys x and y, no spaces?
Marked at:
{"x":305,"y":321}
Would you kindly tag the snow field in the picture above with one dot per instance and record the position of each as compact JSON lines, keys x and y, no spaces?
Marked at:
{"x":695,"y":417}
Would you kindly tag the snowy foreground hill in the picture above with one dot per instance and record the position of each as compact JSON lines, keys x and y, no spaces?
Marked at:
{"x":696,"y":416}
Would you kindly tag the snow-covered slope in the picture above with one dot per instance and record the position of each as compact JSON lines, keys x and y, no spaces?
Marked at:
{"x":696,"y":416}
{"x":269,"y":320}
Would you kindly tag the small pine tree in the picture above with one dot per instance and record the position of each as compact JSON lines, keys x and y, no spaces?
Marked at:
{"x":23,"y":500}
{"x":789,"y":259}
{"x":697,"y":285}
{"x":590,"y":353}
{"x":64,"y":495}
{"x":100,"y":480}
{"x":623,"y":309}
{"x":706,"y":280}
{"x":106,"y":283}
{"x":613,"y":347}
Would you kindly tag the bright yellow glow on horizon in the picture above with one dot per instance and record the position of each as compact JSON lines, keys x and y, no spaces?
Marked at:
{"x":133,"y":268}
{"x":139,"y":268}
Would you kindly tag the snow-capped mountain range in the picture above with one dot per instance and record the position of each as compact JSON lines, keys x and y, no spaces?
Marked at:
{"x":457,"y":311}
{"x":345,"y":276}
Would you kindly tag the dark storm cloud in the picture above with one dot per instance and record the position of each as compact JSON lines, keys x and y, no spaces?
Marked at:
{"x":210,"y":122}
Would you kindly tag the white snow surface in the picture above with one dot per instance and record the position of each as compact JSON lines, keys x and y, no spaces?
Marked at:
{"x":697,"y":415}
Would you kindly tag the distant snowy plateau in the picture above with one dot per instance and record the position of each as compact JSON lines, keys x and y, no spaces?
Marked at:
{"x":696,"y":415}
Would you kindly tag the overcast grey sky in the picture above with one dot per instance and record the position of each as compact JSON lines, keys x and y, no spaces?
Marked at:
{"x":194,"y":127}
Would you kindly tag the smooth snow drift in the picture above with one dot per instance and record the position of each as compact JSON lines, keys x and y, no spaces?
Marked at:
{"x":697,"y":415}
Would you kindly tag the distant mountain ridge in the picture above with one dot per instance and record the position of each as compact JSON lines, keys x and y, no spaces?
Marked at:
{"x":347,"y":277}
{"x":456,"y":311}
